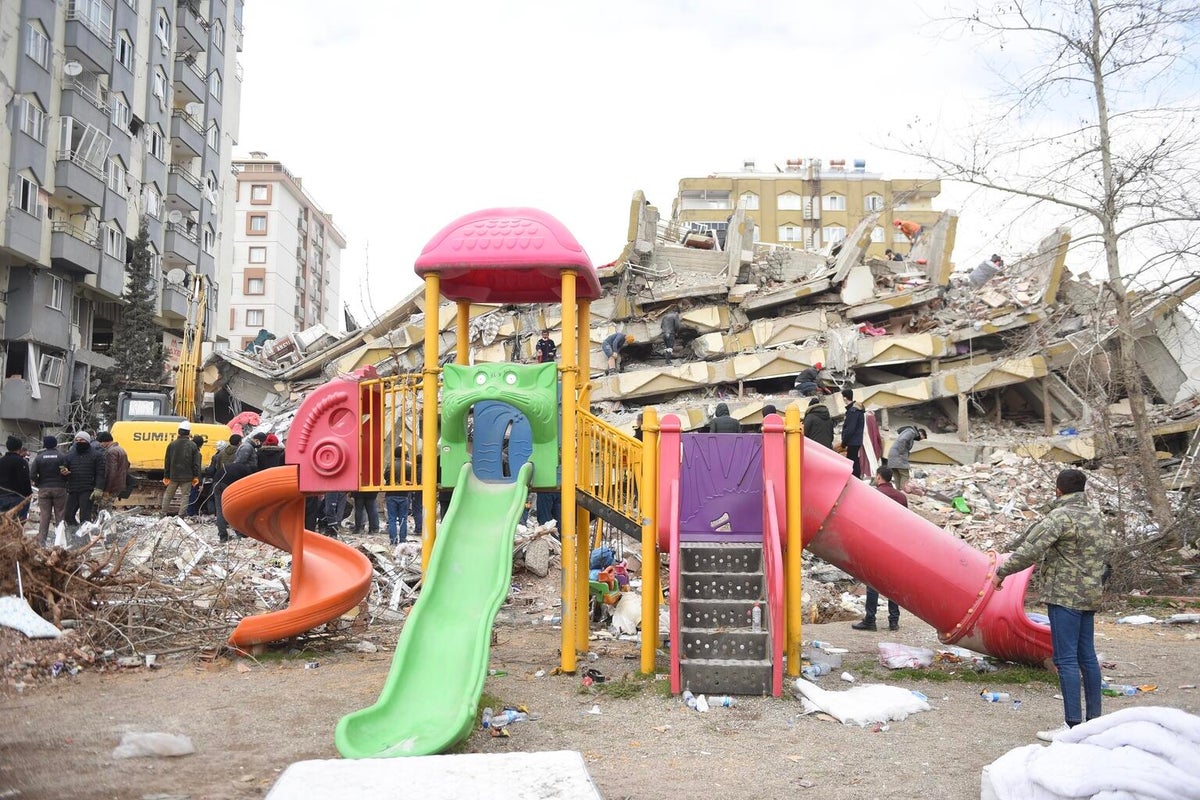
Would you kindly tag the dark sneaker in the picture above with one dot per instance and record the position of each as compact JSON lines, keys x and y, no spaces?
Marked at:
{"x":893,"y":626}
{"x":864,"y":626}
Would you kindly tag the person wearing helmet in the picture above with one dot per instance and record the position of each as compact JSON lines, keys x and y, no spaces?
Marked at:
{"x":806,"y":381}
{"x":612,"y":347}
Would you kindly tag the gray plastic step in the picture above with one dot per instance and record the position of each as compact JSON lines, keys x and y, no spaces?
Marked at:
{"x":722,"y":586}
{"x":726,"y":676}
{"x":741,"y":645}
{"x":718,"y":614}
{"x":720,"y":557}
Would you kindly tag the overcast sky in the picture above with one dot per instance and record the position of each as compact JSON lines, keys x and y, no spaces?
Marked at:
{"x":401,"y":116}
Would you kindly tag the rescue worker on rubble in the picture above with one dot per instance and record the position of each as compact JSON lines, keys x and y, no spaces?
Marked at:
{"x":897,"y":457}
{"x":985,"y":271}
{"x":545,"y":349}
{"x":85,"y":480}
{"x":912,"y":230}
{"x":818,"y":424}
{"x":612,"y":347}
{"x":806,"y":381}
{"x":721,"y":422}
{"x":181,"y":469}
{"x":670,"y":329}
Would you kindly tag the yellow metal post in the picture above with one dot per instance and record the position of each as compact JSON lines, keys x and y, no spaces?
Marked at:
{"x":648,"y":502}
{"x":429,"y":418}
{"x":570,"y":545}
{"x":583,"y":528}
{"x":794,"y":442}
{"x":584,"y":343}
{"x":462,"y":333}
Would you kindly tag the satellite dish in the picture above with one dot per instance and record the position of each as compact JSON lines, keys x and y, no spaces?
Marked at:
{"x":175,"y":217}
{"x":176,"y":277}
{"x":72,"y":68}
{"x":193,"y":108}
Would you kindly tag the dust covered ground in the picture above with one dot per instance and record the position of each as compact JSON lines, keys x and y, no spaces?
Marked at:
{"x":249,"y":719}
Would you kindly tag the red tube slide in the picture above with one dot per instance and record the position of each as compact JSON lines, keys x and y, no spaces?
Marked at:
{"x":930,"y":573}
{"x":328,"y":577}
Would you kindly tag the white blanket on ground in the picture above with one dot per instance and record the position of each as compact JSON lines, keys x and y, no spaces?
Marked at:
{"x":1145,"y":752}
{"x":862,"y":705}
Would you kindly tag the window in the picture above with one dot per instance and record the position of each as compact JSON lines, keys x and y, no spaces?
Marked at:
{"x":96,"y":15}
{"x":114,"y":242}
{"x":58,"y":291}
{"x":209,"y":239}
{"x":258,"y":255}
{"x":260,"y":193}
{"x":791,"y":233}
{"x":254,"y":317}
{"x":873,"y":202}
{"x":120,"y":112}
{"x":789,"y":201}
{"x":877,"y":234}
{"x":155,"y":144}
{"x":214,"y":136}
{"x":832,"y":234}
{"x":748,"y":201}
{"x":214,"y":84}
{"x":256,"y":286}
{"x":116,"y":177}
{"x":256,"y":224}
{"x":162,"y":28}
{"x":153,"y":201}
{"x":218,"y":35}
{"x":159,"y":88}
{"x":27,"y":196}
{"x":33,"y":119}
{"x":833,"y":202}
{"x":125,"y":51}
{"x":37,"y":45}
{"x":83,"y":144}
{"x":50,"y":370}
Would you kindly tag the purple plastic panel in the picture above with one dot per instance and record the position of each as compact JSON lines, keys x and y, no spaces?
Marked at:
{"x":721,"y":487}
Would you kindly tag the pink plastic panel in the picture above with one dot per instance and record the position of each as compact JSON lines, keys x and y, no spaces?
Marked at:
{"x":507,"y":255}
{"x":669,"y":449}
{"x":324,"y":440}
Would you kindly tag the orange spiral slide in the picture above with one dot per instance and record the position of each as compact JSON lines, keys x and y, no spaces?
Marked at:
{"x":328,"y":577}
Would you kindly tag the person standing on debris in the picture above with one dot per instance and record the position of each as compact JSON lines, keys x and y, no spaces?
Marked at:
{"x":818,"y":425}
{"x":193,"y":501}
{"x":116,"y":467}
{"x":366,"y":511}
{"x":883,"y":482}
{"x":853,"y":427}
{"x":985,"y":271}
{"x":807,"y":381}
{"x":223,"y":475}
{"x":271,"y":453}
{"x":892,"y":255}
{"x":721,"y":422}
{"x":14,"y":477}
{"x":397,"y":503}
{"x":898,"y":453}
{"x":334,"y":509}
{"x":670,"y":330}
{"x":181,"y":469}
{"x":910,"y":229}
{"x":1068,"y":546}
{"x":85,"y":480}
{"x":612,"y":347}
{"x":48,"y":472}
{"x":545,"y":349}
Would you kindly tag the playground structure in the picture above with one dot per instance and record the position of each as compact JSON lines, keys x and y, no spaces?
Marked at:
{"x":725,"y":507}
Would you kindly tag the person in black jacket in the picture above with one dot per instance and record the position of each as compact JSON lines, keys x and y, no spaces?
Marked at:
{"x":14,"y":477}
{"x":818,"y":425}
{"x":85,"y":480}
{"x":271,"y":453}
{"x":49,"y":474}
{"x":721,"y":422}
{"x":852,"y":430}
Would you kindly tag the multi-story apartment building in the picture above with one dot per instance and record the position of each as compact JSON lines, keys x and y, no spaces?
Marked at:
{"x":122,"y":111}
{"x":285,"y":270}
{"x":809,"y":204}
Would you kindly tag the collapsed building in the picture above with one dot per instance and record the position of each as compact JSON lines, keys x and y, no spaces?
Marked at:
{"x":1024,"y":363}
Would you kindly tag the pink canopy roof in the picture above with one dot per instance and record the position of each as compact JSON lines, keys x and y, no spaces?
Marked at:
{"x":507,"y":255}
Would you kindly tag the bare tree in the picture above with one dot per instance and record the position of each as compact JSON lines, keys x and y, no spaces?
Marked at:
{"x":1096,"y":123}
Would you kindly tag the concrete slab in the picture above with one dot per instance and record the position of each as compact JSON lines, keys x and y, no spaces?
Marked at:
{"x":556,"y":775}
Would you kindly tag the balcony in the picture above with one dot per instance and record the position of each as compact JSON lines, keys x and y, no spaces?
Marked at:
{"x":186,"y":134}
{"x":191,"y":29}
{"x":190,"y":81}
{"x":86,"y":99}
{"x":174,"y":302}
{"x":111,"y":280}
{"x":17,"y":402}
{"x":183,"y":189}
{"x":78,"y":180}
{"x":74,"y":248}
{"x":238,"y":34}
{"x":180,"y":245}
{"x":88,"y":36}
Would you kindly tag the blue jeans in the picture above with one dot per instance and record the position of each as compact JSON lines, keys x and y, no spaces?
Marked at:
{"x":1072,"y":634}
{"x":873,"y":607}
{"x":398,"y":508}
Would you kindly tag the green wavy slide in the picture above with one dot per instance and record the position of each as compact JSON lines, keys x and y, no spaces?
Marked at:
{"x":430,"y":699}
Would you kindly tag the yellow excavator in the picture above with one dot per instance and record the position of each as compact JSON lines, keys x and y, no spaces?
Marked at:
{"x":148,"y":420}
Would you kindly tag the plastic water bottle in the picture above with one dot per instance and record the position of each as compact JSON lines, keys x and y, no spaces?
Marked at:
{"x":1119,"y":690}
{"x":994,"y":697}
{"x":817,"y":645}
{"x":815,"y":670}
{"x":725,"y":701}
{"x":689,"y":699}
{"x":756,"y":618}
{"x":507,"y":716}
{"x":702,"y":704}
{"x":487,"y":717}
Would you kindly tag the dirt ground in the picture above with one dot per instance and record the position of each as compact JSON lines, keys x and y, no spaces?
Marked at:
{"x":249,"y":719}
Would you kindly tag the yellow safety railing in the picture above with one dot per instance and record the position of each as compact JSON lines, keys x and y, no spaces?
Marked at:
{"x":398,"y":448}
{"x":608,"y":465}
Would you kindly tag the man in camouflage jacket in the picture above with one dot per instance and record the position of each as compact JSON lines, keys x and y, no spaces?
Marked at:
{"x":1069,"y":548}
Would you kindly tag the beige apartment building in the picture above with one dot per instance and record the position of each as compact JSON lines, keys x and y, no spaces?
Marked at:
{"x":284,"y":274}
{"x":809,"y":204}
